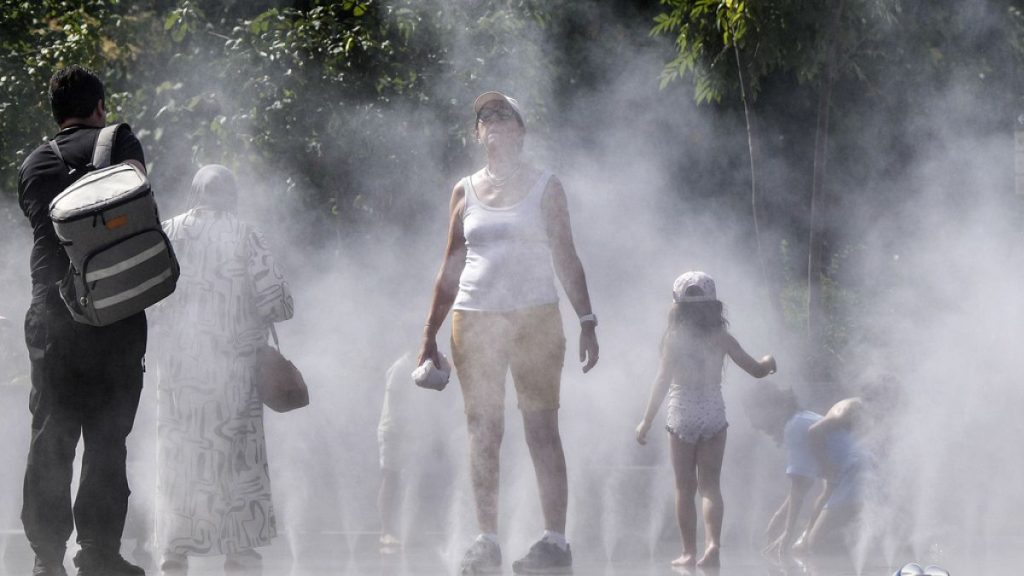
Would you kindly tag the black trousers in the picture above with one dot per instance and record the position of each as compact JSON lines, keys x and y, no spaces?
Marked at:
{"x":86,"y":383}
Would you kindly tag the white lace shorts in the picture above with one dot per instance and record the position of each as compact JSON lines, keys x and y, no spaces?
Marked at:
{"x":693,"y":421}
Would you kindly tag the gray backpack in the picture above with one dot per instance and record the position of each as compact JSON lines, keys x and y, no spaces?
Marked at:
{"x":107,"y":221}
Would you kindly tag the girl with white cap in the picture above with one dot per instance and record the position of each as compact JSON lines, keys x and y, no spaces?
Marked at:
{"x":693,"y":353}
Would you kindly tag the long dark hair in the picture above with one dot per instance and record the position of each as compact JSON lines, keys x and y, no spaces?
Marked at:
{"x":693,"y":322}
{"x":698,"y":317}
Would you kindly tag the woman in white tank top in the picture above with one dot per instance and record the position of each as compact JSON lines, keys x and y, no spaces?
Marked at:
{"x":509,"y":237}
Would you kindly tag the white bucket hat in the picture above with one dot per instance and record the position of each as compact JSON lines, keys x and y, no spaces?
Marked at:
{"x":694,"y":278}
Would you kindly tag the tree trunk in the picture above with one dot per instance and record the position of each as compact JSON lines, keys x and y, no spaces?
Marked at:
{"x":754,"y":149}
{"x":816,"y":242}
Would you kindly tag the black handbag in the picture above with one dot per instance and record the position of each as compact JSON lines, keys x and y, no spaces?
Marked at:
{"x":278,"y":382}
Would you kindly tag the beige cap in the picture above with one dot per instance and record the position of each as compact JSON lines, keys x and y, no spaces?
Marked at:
{"x":486,"y":97}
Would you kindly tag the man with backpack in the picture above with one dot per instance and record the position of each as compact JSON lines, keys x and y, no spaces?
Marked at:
{"x":86,"y":380}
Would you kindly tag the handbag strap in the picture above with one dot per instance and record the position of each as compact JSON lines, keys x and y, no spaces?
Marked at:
{"x":273,"y":334}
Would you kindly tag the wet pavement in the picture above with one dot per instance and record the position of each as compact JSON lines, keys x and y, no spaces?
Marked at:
{"x":358,"y":555}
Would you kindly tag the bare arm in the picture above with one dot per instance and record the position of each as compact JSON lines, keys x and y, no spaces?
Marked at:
{"x":843,"y":415}
{"x":777,"y":523}
{"x":658,"y":391}
{"x":569,"y":268}
{"x":819,"y":503}
{"x":799,"y":486}
{"x":756,"y":368}
{"x":446,"y":285}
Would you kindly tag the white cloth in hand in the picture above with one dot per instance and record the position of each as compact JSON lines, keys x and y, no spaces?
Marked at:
{"x":427,"y":375}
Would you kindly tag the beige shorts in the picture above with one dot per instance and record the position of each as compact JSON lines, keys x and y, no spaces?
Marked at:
{"x":529,"y":342}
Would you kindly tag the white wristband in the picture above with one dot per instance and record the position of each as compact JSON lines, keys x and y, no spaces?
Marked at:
{"x":588,"y":318}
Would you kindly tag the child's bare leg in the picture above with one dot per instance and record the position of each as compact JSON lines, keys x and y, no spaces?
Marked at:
{"x":388,"y":502}
{"x":826,"y":526}
{"x":684,"y":463}
{"x":709,"y":473}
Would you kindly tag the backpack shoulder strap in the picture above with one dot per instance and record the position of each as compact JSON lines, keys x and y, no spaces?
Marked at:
{"x":104,"y":146}
{"x":56,"y":151}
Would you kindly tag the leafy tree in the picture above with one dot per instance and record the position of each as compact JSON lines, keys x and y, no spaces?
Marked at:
{"x":302,"y":96}
{"x":299,"y":94}
{"x":733,"y":49}
{"x":37,"y":37}
{"x":729,"y":47}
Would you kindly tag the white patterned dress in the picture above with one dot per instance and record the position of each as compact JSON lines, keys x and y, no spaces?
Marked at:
{"x":214,"y":485}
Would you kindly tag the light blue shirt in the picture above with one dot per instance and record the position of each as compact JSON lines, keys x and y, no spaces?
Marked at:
{"x":798,"y":445}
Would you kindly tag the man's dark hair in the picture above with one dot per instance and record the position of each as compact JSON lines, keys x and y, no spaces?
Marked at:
{"x":74,"y":93}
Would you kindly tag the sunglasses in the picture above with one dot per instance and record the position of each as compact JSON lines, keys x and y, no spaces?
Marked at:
{"x":488,"y":115}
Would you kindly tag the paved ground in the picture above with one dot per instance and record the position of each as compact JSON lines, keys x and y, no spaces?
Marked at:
{"x":357,"y":555}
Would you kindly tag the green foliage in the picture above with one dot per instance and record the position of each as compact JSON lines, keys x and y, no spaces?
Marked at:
{"x":770,"y":36}
{"x":295,"y":91}
{"x":39,"y":36}
{"x":892,"y":55}
{"x":303,"y":94}
{"x":924,"y":39}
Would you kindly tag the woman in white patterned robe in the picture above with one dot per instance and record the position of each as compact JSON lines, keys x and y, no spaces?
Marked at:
{"x":214,"y":486}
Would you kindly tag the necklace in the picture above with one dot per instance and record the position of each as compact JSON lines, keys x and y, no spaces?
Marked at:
{"x":500,"y":181}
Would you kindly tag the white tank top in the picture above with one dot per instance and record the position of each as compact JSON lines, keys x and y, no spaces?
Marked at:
{"x":508,"y":257}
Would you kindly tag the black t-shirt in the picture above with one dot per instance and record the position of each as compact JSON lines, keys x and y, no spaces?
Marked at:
{"x":43,"y":176}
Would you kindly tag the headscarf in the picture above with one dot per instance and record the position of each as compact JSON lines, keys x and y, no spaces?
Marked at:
{"x":213,"y":188}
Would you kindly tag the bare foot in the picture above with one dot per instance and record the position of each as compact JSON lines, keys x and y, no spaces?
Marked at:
{"x":684,"y":560}
{"x":710,"y":558}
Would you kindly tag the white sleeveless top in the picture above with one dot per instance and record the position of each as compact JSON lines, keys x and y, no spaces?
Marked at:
{"x":508,"y":257}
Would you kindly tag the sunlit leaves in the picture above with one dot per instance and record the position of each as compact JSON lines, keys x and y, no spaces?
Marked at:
{"x":703,"y":30}
{"x":183,"y":20}
{"x":37,"y":37}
